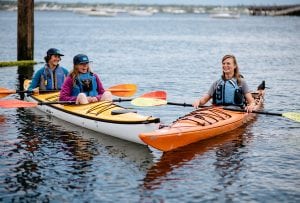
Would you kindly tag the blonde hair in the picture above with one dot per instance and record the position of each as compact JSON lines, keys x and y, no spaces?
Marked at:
{"x":74,"y":73}
{"x":236,"y":74}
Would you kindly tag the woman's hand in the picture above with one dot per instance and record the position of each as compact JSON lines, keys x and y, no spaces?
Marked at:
{"x":250,"y":107}
{"x":197,"y":103}
{"x":92,"y":99}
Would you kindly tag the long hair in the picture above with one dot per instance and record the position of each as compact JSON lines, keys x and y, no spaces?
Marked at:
{"x":236,"y":74}
{"x":74,"y":73}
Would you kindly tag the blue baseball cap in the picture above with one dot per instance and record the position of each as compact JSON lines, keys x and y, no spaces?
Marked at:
{"x":54,"y":51}
{"x":80,"y":58}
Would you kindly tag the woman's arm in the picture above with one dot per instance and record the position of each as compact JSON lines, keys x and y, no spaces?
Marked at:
{"x":100,"y":88}
{"x":35,"y":82}
{"x":203,"y":100}
{"x":66,"y":90}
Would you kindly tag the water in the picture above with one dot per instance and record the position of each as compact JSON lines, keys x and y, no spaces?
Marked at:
{"x":45,"y":159}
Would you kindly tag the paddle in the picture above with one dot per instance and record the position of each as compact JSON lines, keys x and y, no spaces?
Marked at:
{"x":14,"y":103}
{"x":155,"y":98}
{"x":23,"y":104}
{"x":159,"y":102}
{"x":148,"y":101}
{"x":290,"y":115}
{"x":5,"y":92}
{"x":121,"y":90}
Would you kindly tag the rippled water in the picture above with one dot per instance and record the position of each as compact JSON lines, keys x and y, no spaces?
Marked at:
{"x":45,"y":159}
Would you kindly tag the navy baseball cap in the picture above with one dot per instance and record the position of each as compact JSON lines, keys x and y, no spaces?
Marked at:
{"x":54,"y":51}
{"x":80,"y":58}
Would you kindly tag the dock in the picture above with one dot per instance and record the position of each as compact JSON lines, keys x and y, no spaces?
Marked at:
{"x":292,"y":10}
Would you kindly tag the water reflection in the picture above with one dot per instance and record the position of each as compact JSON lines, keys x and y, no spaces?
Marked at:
{"x":114,"y":147}
{"x":46,"y":158}
{"x":228,"y":159}
{"x":2,"y":118}
{"x":42,"y":150}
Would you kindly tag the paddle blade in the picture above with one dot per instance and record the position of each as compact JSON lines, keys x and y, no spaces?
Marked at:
{"x":162,"y":95}
{"x":5,"y":92}
{"x":123,"y":90}
{"x":143,"y":101}
{"x":292,"y":115}
{"x":16,"y":104}
{"x":26,"y":84}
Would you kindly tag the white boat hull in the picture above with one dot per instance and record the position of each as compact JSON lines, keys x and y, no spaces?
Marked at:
{"x":129,"y":132}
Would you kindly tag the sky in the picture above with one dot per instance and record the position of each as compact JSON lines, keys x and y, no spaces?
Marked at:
{"x":185,"y":2}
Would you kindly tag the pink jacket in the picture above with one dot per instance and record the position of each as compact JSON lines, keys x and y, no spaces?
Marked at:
{"x":66,"y":90}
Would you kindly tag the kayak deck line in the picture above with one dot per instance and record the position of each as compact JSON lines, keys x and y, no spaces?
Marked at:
{"x":212,"y":113}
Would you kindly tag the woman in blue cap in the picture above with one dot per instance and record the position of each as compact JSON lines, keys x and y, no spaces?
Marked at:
{"x":51,"y":76}
{"x":83,"y":86}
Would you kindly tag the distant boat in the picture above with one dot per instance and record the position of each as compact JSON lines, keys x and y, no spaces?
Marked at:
{"x":94,"y":12}
{"x":101,"y":13}
{"x":140,"y":13}
{"x":225,"y":15}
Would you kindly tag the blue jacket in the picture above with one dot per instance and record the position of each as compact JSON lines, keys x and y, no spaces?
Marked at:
{"x":47,"y":79}
{"x":87,"y":84}
{"x":228,"y":92}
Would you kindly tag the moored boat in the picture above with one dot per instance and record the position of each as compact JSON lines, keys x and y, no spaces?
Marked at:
{"x":104,"y":117}
{"x":200,"y":124}
{"x":225,"y":15}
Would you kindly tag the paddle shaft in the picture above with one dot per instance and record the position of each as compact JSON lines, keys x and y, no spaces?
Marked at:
{"x":73,"y":102}
{"x":258,"y":112}
{"x":179,"y":104}
{"x":290,"y":115}
{"x":230,"y":109}
{"x":31,"y":91}
{"x":122,"y":90}
{"x":184,"y":104}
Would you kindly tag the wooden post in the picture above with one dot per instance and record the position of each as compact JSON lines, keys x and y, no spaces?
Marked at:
{"x":25,"y":29}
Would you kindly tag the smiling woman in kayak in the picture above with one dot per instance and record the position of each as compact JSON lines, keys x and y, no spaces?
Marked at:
{"x":82,"y":85}
{"x":52,"y":75}
{"x":230,"y":89}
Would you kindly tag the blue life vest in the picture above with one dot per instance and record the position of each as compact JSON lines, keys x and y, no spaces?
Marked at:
{"x":85,"y":83}
{"x":52,"y":80}
{"x":228,"y":92}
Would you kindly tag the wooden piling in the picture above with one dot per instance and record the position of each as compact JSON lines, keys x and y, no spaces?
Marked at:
{"x":25,"y":30}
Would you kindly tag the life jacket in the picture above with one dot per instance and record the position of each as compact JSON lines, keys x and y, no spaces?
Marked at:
{"x":228,"y":92}
{"x":85,"y":83}
{"x":52,"y":80}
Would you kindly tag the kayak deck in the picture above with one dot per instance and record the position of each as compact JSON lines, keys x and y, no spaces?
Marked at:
{"x":104,"y":111}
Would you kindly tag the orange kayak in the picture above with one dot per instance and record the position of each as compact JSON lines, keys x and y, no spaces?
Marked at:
{"x":199,"y":125}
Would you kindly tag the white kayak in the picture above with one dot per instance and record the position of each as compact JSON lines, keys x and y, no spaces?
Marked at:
{"x":103,"y":117}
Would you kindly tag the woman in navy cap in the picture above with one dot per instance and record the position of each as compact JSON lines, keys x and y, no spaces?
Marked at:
{"x":82,"y":85}
{"x":51,"y":76}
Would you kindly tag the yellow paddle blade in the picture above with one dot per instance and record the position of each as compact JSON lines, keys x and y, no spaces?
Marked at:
{"x":26,"y":84}
{"x":292,"y":115}
{"x":142,"y":101}
{"x":123,"y":90}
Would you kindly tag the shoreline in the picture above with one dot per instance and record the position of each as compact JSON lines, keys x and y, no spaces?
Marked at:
{"x":147,"y":10}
